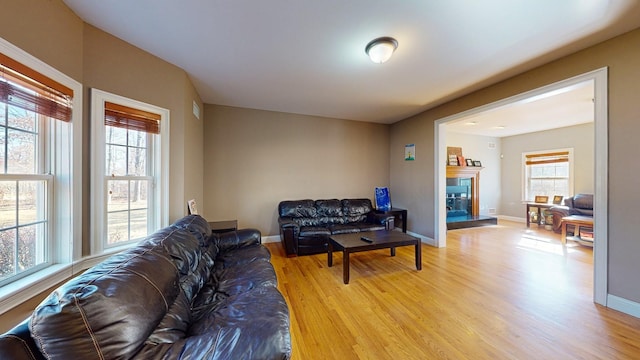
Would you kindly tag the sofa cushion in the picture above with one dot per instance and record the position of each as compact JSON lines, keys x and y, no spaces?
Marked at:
{"x":197,"y":226}
{"x":356,"y":210}
{"x":583,"y":201}
{"x":297,"y":208}
{"x":314,"y":231}
{"x":370,"y":227}
{"x":329,"y":208}
{"x":344,"y":229}
{"x":109,"y":311}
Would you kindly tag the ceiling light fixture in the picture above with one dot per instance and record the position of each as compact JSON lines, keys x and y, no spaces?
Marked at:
{"x":381,"y":49}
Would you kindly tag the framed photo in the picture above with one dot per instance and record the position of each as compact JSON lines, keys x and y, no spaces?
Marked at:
{"x":192,"y":207}
{"x":557,"y":199}
{"x":453,"y":160}
{"x":540,"y":199}
{"x":469,"y":162}
{"x":477,"y":163}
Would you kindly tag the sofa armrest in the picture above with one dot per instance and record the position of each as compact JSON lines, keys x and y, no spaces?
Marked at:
{"x":289,"y":231}
{"x":18,"y":344}
{"x":237,"y":239}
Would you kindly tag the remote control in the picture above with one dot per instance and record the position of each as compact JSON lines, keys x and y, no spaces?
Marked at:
{"x":364,"y":238}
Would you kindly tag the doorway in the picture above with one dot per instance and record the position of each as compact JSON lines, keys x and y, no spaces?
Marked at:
{"x":599,"y":78}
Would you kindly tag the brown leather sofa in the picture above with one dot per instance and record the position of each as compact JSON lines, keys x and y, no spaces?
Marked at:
{"x":305,"y":225}
{"x":580,"y":204}
{"x":182,"y":293}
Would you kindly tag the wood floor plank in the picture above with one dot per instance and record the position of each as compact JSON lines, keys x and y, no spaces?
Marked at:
{"x":495,"y":292}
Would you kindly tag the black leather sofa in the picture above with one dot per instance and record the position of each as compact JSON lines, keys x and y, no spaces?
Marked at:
{"x":182,"y":293}
{"x":305,"y":225}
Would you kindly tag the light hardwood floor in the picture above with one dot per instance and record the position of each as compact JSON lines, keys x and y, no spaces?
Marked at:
{"x":497,"y":292}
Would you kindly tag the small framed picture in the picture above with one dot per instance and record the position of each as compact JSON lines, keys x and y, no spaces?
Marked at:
{"x":477,"y":163}
{"x":453,"y":160}
{"x":192,"y":207}
{"x":469,"y":162}
{"x":557,"y":199}
{"x":540,"y":199}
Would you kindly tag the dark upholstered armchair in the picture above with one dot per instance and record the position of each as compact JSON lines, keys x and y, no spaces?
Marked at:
{"x":580,"y":204}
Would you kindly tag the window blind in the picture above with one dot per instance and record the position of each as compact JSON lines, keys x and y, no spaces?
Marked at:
{"x":129,"y":118}
{"x":547,"y":158}
{"x":28,"y":89}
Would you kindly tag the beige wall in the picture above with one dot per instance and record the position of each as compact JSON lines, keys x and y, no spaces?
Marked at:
{"x":622,"y":56}
{"x":254,"y":159}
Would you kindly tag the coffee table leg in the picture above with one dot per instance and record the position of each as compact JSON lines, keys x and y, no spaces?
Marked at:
{"x":329,"y":254}
{"x":419,"y":255}
{"x":393,"y":251}
{"x":345,"y":266}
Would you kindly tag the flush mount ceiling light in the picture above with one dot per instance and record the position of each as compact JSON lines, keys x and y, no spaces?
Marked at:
{"x":381,"y":49}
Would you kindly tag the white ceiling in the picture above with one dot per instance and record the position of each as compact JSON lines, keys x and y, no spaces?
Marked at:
{"x":308,"y":57}
{"x":572,"y":105}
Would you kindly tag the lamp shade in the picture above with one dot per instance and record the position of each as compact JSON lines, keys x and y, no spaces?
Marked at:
{"x":381,"y":49}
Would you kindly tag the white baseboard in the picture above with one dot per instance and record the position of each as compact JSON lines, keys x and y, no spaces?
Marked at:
{"x":512,"y":218}
{"x":271,"y":239}
{"x":424,"y":239}
{"x":623,"y":305}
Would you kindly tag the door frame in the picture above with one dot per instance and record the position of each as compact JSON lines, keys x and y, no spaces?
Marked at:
{"x":601,"y":120}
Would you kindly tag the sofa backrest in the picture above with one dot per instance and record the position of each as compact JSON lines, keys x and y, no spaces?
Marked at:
{"x":327,"y":211}
{"x":140,"y":295}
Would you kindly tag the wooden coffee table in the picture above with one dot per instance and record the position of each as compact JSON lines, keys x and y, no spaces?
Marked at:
{"x":383,"y":239}
{"x":577,"y":221}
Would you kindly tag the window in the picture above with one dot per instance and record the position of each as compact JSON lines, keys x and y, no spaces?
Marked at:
{"x":548,"y":173}
{"x":128,"y":180}
{"x":40,"y":112}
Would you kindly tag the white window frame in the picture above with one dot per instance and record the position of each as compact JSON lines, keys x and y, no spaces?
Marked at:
{"x":159,"y":206}
{"x":525,"y":192}
{"x":65,"y":201}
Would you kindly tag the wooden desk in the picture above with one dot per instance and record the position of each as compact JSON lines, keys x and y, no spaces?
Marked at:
{"x":577,"y":221}
{"x":539,"y":208}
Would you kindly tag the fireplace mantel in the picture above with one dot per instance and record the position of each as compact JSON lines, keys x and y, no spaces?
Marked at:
{"x":472,"y":172}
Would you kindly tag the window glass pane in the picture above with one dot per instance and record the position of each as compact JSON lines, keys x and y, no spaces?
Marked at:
{"x":3,"y":109}
{"x":138,"y":224}
{"x":3,"y":154}
{"x":117,"y":211}
{"x":27,"y":248}
{"x":22,"y":119}
{"x":32,"y":201}
{"x":7,"y":253}
{"x":21,"y":152}
{"x":8,"y":204}
{"x":137,"y":138}
{"x":115,"y":160}
{"x":115,"y":135}
{"x":137,"y":162}
{"x":139,"y":194}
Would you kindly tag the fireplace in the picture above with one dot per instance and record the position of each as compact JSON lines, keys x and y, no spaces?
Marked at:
{"x":463,"y":198}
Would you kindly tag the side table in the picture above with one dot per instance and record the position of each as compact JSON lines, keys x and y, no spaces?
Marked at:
{"x":539,"y":207}
{"x":218,"y":227}
{"x":398,"y":213}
